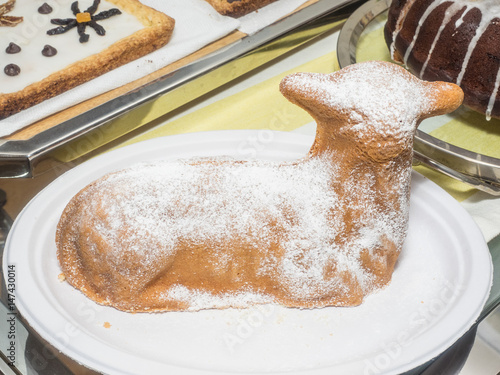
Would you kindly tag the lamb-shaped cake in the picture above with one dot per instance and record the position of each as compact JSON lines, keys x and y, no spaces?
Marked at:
{"x":325,"y":230}
{"x":55,"y":46}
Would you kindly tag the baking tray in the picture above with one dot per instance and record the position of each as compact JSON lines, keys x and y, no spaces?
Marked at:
{"x":477,"y":170}
{"x":41,"y":148}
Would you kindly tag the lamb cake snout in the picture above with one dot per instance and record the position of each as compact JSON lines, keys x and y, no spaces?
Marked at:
{"x":324,"y":230}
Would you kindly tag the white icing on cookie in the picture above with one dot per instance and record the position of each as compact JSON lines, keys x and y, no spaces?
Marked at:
{"x":31,"y":36}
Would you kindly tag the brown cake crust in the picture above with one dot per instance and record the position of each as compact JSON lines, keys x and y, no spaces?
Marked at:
{"x":238,"y":8}
{"x":156,"y":34}
{"x":447,"y":34}
{"x":325,"y":230}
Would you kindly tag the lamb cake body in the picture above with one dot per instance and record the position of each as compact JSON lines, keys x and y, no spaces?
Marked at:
{"x":54,"y":46}
{"x":325,"y":230}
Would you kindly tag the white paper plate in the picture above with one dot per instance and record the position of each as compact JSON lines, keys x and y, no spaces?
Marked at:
{"x":440,"y":284}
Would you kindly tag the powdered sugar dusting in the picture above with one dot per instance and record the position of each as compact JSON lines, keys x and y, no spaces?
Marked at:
{"x":374,"y":97}
{"x":151,"y":208}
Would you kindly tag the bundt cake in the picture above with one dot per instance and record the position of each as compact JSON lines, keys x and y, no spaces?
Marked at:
{"x":324,"y":230}
{"x":450,"y":40}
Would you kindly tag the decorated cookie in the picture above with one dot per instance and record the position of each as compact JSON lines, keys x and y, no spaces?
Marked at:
{"x":52,"y":47}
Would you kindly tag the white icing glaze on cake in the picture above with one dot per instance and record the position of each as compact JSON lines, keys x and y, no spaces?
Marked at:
{"x":490,"y":9}
{"x":31,"y":36}
{"x":389,"y":110}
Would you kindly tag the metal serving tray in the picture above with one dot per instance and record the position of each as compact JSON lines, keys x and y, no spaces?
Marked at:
{"x":97,"y":126}
{"x":480,"y":171}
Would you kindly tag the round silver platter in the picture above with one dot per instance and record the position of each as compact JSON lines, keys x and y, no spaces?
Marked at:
{"x":480,"y":171}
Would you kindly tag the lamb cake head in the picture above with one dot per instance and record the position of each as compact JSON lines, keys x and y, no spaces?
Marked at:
{"x":325,"y":230}
{"x":374,"y":107}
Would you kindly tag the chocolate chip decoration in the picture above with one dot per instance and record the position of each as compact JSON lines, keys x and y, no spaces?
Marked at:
{"x":49,"y":51}
{"x":12,"y":70}
{"x":12,"y":48}
{"x":82,"y":20}
{"x":45,"y":9}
